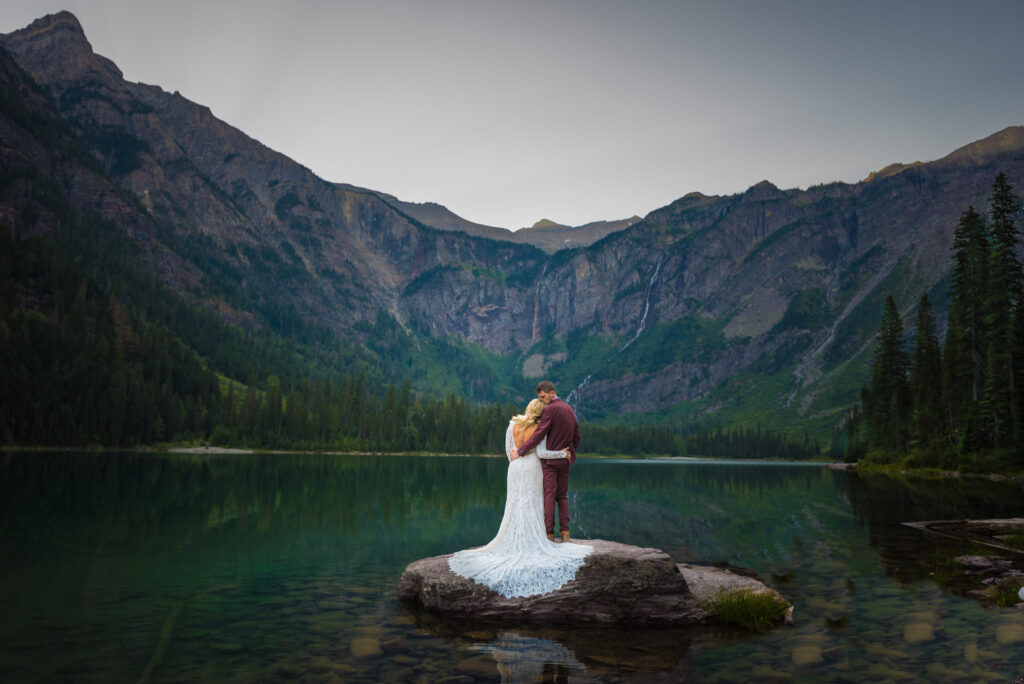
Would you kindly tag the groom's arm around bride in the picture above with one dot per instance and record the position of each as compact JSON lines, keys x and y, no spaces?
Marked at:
{"x":557,"y":423}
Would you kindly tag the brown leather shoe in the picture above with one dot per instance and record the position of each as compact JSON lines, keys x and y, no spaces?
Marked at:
{"x":551,"y":537}
{"x":565,"y":536}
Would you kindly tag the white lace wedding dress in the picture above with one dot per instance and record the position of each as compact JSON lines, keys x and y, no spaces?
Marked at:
{"x":520,"y":560}
{"x":525,"y":659}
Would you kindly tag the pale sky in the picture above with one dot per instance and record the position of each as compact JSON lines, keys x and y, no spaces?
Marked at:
{"x":576,"y":110}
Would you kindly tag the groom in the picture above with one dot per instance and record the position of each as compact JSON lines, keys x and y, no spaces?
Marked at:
{"x":558,"y":423}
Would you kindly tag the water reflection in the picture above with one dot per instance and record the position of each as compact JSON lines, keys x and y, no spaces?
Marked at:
{"x":523,"y":660}
{"x":882,"y":503}
{"x":555,"y":653}
{"x":90,"y":500}
{"x":154,"y":567}
{"x":706,"y":512}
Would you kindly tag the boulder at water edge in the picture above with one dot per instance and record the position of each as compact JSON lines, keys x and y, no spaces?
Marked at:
{"x":619,"y":584}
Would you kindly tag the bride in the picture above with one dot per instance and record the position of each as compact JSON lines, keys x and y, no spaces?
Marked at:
{"x":520,"y":560}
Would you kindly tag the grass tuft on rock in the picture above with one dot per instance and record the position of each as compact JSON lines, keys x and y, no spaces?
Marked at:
{"x":1005,"y":593}
{"x":758,"y":611}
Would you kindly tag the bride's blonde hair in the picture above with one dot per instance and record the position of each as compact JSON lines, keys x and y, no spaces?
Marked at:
{"x":531,"y":415}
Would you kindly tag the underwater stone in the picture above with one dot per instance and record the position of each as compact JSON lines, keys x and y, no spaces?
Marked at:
{"x":807,"y":655}
{"x":1009,"y":633}
{"x":917,"y":632}
{"x":363,"y":647}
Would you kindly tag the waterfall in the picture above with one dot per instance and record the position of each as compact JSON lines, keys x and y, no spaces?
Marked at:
{"x":647,"y":303}
{"x":536,"y":304}
{"x":576,"y":395}
{"x":573,"y":397}
{"x":535,"y":330}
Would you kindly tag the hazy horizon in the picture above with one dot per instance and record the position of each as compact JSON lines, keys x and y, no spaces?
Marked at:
{"x":581,"y":110}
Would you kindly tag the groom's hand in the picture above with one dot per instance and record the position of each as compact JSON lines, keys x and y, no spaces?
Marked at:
{"x":515,"y":454}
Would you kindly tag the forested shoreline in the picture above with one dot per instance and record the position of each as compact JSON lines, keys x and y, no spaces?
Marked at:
{"x":957,"y":404}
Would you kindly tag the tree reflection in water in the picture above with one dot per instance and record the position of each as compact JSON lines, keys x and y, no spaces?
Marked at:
{"x":283,"y":567}
{"x":882,"y":503}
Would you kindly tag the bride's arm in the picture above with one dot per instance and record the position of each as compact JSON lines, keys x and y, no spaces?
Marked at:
{"x":542,"y":451}
{"x":510,"y":444}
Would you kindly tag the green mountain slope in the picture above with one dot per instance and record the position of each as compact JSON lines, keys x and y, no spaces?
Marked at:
{"x":758,"y":307}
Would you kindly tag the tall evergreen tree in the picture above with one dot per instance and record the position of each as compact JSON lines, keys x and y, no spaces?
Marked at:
{"x":1005,"y":286}
{"x":1018,"y":377}
{"x":926,"y":378}
{"x":888,"y":398}
{"x":965,"y":358}
{"x":273,"y":412}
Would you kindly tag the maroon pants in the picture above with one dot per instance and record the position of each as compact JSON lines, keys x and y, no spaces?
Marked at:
{"x":556,"y":490}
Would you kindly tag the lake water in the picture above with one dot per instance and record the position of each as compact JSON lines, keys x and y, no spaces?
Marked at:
{"x":265,"y":568}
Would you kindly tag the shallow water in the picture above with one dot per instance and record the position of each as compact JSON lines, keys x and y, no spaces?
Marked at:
{"x":190,"y":568}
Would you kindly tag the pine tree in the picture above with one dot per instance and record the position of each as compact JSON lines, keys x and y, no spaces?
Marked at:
{"x":1018,"y":377}
{"x":1004,"y":206}
{"x":272,"y":413}
{"x":888,"y":398}
{"x":248,"y":423}
{"x":1005,"y":286}
{"x":965,"y":358}
{"x":926,"y":378}
{"x":297,"y":419}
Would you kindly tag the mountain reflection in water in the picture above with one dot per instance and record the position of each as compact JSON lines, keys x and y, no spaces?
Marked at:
{"x":156,"y":567}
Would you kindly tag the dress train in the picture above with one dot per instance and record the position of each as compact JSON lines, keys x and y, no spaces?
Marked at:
{"x":521,"y":560}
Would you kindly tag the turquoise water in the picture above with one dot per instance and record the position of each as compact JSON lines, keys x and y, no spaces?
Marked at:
{"x":184,"y":568}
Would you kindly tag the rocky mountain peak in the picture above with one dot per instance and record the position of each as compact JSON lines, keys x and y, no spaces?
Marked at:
{"x":694,"y":198}
{"x":54,"y":48}
{"x":61,"y":21}
{"x":546,"y":223}
{"x":1007,"y":141}
{"x":763,"y":190}
{"x":890,"y":170}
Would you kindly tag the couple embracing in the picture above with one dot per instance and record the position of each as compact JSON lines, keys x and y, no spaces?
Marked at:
{"x":523,"y":559}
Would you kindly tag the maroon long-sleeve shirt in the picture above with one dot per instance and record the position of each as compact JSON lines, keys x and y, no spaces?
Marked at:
{"x":558,"y":423}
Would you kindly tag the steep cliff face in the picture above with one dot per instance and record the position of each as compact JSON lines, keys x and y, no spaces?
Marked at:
{"x":41,"y":157}
{"x":761,"y":304}
{"x":740,"y":262}
{"x":350,"y":252}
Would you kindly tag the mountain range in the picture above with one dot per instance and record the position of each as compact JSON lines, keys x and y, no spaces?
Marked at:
{"x":714,"y":310}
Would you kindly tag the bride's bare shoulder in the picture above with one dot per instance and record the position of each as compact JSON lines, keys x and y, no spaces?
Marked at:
{"x":520,"y":434}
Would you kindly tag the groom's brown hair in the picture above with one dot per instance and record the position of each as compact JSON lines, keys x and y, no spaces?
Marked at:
{"x":545,"y":386}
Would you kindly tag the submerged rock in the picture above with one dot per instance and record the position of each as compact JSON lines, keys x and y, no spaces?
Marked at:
{"x":807,"y":655}
{"x":619,"y":584}
{"x":991,"y":579}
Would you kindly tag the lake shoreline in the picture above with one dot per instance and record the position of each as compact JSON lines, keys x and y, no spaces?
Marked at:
{"x":229,"y":451}
{"x":859,"y":468}
{"x":927,"y":473}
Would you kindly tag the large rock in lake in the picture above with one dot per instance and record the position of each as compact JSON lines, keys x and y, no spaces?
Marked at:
{"x":619,"y":584}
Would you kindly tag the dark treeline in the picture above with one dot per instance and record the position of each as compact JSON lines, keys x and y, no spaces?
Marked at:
{"x":79,"y":368}
{"x":958,"y":404}
{"x":88,"y":358}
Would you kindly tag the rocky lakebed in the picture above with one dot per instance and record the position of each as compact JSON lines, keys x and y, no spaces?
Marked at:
{"x":993,"y":573}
